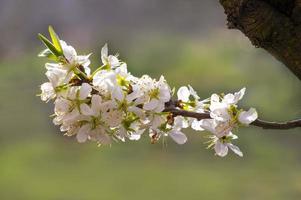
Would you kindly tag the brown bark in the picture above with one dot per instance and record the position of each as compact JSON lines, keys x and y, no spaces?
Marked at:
{"x":172,"y":107}
{"x":274,"y":25}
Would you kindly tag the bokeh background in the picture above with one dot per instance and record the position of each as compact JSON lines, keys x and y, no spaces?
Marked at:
{"x":187,"y":41}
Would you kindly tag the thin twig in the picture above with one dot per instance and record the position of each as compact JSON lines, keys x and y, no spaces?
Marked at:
{"x":172,"y":105}
{"x":259,"y":123}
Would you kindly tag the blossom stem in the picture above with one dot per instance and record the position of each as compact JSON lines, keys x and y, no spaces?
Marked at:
{"x":172,"y":108}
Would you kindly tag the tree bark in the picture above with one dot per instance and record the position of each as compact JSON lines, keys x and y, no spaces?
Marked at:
{"x":274,"y":25}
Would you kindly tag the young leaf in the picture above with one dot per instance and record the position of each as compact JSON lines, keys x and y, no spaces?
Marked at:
{"x":55,"y":39}
{"x":49,"y":45}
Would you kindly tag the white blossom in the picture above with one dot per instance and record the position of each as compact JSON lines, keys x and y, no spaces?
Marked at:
{"x":111,"y":104}
{"x":73,"y":59}
{"x":175,"y":133}
{"x":108,"y":60}
{"x":48,"y":92}
{"x":247,"y":117}
{"x":156,"y":94}
{"x":221,"y":145}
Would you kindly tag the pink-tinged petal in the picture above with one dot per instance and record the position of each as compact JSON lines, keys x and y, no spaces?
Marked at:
{"x":220,"y":112}
{"x":118,"y":93}
{"x":235,"y":149}
{"x":160,"y":107}
{"x":151,"y":105}
{"x":164,"y":95}
{"x":72,"y":92}
{"x":71,"y":116}
{"x":138,"y":111}
{"x":179,"y":123}
{"x":157,"y":121}
{"x":247,"y":117}
{"x":86,"y":110}
{"x":84,"y":91}
{"x":178,"y":137}
{"x":96,"y":101}
{"x":221,"y":149}
{"x":209,"y":125}
{"x":82,"y":134}
{"x":62,"y":106}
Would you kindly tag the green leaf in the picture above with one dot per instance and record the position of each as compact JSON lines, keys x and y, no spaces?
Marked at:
{"x":55,"y":39}
{"x":50,"y":46}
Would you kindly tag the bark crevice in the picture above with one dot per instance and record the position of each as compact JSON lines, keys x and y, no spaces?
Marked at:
{"x":273,"y":25}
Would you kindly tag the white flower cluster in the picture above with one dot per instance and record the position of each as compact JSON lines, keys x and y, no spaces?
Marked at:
{"x":110,"y":104}
{"x":224,"y":117}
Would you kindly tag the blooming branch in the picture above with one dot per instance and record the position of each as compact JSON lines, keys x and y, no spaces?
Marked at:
{"x":110,"y":104}
{"x":171,"y":107}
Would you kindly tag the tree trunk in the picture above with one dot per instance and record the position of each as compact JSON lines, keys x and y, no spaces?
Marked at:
{"x":274,"y":25}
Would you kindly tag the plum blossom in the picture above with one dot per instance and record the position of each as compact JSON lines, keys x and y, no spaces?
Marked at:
{"x":57,"y":77}
{"x":155,"y":94}
{"x":73,"y":60}
{"x":173,"y":131}
{"x":224,"y":118}
{"x":190,"y":101}
{"x":222,"y":144}
{"x":111,"y":104}
{"x":109,"y":60}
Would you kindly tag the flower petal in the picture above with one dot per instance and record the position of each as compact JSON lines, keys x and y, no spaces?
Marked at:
{"x":118,"y":93}
{"x":183,"y":94}
{"x":113,"y":61}
{"x":104,"y":54}
{"x":48,"y":91}
{"x":196,"y":125}
{"x":86,"y":110}
{"x":151,"y":105}
{"x":84,"y":91}
{"x":82,"y":134}
{"x":178,"y":137}
{"x":220,"y":149}
{"x":193,"y":93}
{"x":247,"y":117}
{"x":235,"y":149}
{"x":239,"y":95}
{"x":105,"y":139}
{"x":209,"y":125}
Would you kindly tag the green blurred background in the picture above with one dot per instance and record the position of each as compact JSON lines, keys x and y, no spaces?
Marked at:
{"x":188,"y":42}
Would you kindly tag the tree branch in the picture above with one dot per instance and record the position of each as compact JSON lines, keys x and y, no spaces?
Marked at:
{"x":171,"y":107}
{"x":274,"y":25}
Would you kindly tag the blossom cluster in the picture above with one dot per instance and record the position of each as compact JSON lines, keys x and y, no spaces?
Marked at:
{"x":111,"y":104}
